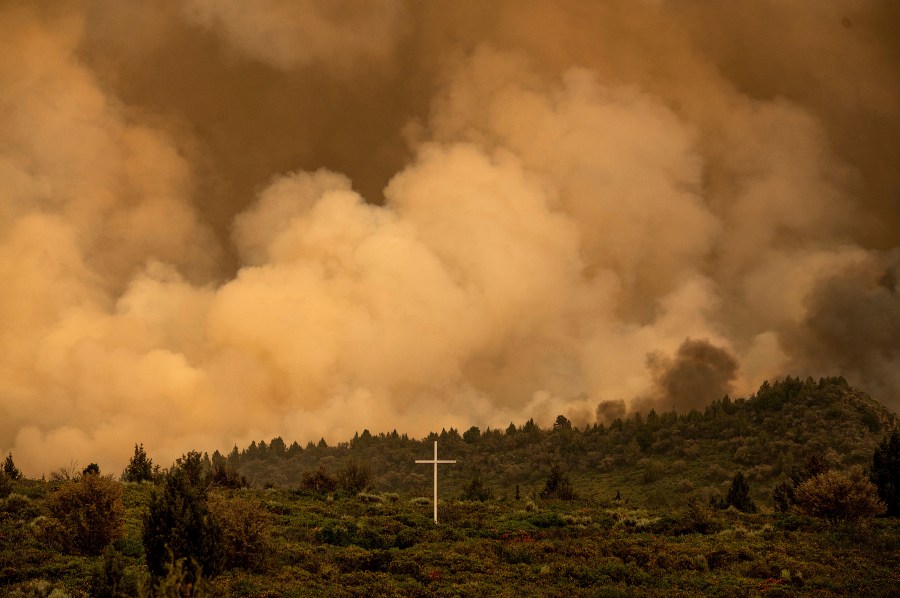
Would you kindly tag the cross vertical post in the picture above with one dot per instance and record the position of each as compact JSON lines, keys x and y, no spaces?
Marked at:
{"x":435,"y":462}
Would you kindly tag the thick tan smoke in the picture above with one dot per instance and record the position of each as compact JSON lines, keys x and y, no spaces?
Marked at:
{"x":219,"y":225}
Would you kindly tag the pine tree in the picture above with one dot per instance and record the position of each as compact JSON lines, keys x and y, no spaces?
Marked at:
{"x":139,"y":468}
{"x":10,"y":469}
{"x":885,"y":473}
{"x":477,"y":491}
{"x":111,"y":579}
{"x":558,"y":485}
{"x":783,"y":496}
{"x":739,"y":494}
{"x":178,"y":525}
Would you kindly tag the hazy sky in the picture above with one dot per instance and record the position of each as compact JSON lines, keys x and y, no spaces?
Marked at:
{"x":223,"y":221}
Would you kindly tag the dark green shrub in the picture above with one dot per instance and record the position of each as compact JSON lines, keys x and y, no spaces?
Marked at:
{"x":110,"y":579}
{"x":837,"y":496}
{"x":180,"y":581}
{"x":338,"y":533}
{"x":476,"y":490}
{"x":194,"y":467}
{"x":139,"y":468}
{"x":739,"y":494}
{"x":783,"y":496}
{"x":178,"y":528}
{"x":407,"y":538}
{"x":695,"y":519}
{"x":224,"y":476}
{"x":90,"y":513}
{"x":558,"y":485}
{"x":358,"y":559}
{"x":10,"y":469}
{"x":547,"y":519}
{"x":885,"y":472}
{"x":354,"y":477}
{"x":318,"y":481}
{"x":245,"y":531}
{"x":18,"y":507}
{"x":5,"y":484}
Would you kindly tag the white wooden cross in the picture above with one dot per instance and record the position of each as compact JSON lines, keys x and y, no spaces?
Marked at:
{"x":435,"y":462}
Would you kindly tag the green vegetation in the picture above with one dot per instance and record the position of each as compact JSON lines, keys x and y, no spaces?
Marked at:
{"x":739,"y":495}
{"x":886,"y":472}
{"x":625,"y":508}
{"x":179,"y":527}
{"x":9,"y":468}
{"x":88,"y":514}
{"x":838,"y":496}
{"x":140,"y":467}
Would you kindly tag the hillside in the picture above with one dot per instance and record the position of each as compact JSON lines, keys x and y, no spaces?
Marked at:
{"x":655,"y":459}
{"x":87,"y":534}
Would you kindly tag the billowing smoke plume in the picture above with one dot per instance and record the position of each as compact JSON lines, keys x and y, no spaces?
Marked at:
{"x":699,"y":374}
{"x":220,"y":224}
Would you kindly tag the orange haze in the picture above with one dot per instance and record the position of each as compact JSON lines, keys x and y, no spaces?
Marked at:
{"x":223,"y":221}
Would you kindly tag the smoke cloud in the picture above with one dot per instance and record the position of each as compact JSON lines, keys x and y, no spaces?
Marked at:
{"x":310,"y":218}
{"x":699,"y":374}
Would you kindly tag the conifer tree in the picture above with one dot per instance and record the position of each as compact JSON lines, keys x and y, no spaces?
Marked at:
{"x":10,"y":469}
{"x":885,"y":472}
{"x":5,"y":485}
{"x":739,"y":494}
{"x":476,"y":490}
{"x":110,"y":579}
{"x":558,"y":485}
{"x":140,"y":467}
{"x":178,"y":525}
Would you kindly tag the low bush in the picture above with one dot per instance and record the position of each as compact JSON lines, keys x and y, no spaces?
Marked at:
{"x":558,"y":485}
{"x":5,"y":485}
{"x":246,"y":531}
{"x":180,"y":532}
{"x":354,"y":477}
{"x":110,"y":579}
{"x":837,"y":496}
{"x":318,"y":481}
{"x":90,"y":513}
{"x":18,"y":506}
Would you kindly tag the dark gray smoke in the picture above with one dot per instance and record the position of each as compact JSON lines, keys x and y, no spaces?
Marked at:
{"x":698,"y":374}
{"x":852,"y":325}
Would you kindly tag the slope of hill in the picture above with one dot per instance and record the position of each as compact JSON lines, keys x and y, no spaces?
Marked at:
{"x":651,"y":541}
{"x":651,"y":458}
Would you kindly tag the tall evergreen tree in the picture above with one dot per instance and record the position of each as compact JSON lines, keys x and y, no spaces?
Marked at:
{"x":558,"y":485}
{"x":139,"y":468}
{"x":885,"y":473}
{"x":739,"y":494}
{"x":10,"y":469}
{"x":178,"y":525}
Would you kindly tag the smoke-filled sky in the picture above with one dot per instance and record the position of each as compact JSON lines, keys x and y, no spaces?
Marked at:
{"x":223,"y":221}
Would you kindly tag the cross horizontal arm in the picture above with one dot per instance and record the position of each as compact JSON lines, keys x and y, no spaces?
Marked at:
{"x":432,"y":461}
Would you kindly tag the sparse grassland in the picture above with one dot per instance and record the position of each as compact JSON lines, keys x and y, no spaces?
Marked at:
{"x":645,"y":515}
{"x":388,"y":546}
